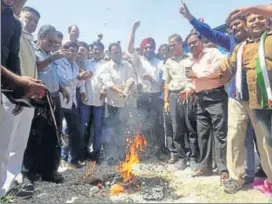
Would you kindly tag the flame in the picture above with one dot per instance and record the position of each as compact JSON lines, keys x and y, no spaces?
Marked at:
{"x":132,"y":158}
{"x":117,"y":189}
{"x":138,"y":143}
{"x":89,"y":170}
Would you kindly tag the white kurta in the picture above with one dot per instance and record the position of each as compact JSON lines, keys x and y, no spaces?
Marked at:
{"x":14,"y":130}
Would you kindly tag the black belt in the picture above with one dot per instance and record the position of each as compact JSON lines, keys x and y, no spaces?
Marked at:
{"x":206,"y":92}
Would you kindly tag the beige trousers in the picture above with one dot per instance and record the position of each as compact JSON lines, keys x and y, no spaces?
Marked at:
{"x":239,"y":115}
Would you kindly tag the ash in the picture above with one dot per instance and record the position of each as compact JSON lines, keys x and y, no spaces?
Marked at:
{"x":79,"y":190}
{"x":154,"y":182}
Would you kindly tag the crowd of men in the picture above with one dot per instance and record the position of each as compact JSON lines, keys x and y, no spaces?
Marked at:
{"x":65,"y":103}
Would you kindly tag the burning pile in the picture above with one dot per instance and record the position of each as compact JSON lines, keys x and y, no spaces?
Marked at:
{"x":89,"y":170}
{"x":138,"y":143}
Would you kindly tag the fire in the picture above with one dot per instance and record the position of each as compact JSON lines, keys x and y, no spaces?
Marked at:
{"x":89,"y":170}
{"x":117,"y":189}
{"x":132,"y":158}
{"x":138,"y":143}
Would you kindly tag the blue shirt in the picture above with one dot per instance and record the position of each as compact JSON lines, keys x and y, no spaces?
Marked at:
{"x":224,"y":40}
{"x":67,"y":73}
{"x":49,"y":75}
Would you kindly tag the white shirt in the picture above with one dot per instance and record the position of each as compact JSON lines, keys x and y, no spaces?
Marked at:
{"x":152,"y":68}
{"x":94,"y":85}
{"x":116,"y":75}
{"x":67,"y":74}
{"x":174,"y":73}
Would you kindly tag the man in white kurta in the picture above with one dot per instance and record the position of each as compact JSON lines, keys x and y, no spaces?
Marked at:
{"x":118,"y":78}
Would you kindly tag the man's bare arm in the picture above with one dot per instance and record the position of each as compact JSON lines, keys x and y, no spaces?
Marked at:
{"x":30,"y":86}
{"x":131,"y":48}
{"x":264,"y":10}
{"x":8,"y":77}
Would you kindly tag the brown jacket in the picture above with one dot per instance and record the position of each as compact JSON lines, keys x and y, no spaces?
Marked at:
{"x":249,"y":57}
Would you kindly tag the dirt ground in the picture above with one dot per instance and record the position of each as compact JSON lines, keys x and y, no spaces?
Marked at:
{"x":180,"y":188}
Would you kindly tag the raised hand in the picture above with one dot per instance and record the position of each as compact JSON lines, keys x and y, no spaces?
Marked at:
{"x":201,"y":20}
{"x":185,"y":11}
{"x":136,"y":25}
{"x":236,"y":13}
{"x":64,"y":53}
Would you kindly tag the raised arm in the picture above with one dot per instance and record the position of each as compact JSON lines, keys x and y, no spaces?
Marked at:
{"x":264,"y":10}
{"x":43,"y":64}
{"x":131,"y":48}
{"x":205,"y":30}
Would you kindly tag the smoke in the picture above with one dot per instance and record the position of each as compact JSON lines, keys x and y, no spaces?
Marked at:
{"x":130,"y":120}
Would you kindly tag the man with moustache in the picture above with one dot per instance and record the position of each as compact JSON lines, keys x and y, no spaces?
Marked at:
{"x":149,"y":105}
{"x":264,"y":10}
{"x":58,"y":42}
{"x":211,"y":106}
{"x":228,"y":42}
{"x":118,"y":78}
{"x":251,"y":64}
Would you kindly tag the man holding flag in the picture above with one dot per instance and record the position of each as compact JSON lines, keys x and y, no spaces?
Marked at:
{"x":251,"y":62}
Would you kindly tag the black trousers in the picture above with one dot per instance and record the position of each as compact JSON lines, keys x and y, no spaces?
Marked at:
{"x":42,"y":154}
{"x":177,"y":111}
{"x":190,"y":119}
{"x":182,"y":139}
{"x":168,"y":129}
{"x":212,"y":116}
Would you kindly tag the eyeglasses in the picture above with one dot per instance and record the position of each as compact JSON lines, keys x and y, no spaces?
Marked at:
{"x":53,"y":42}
